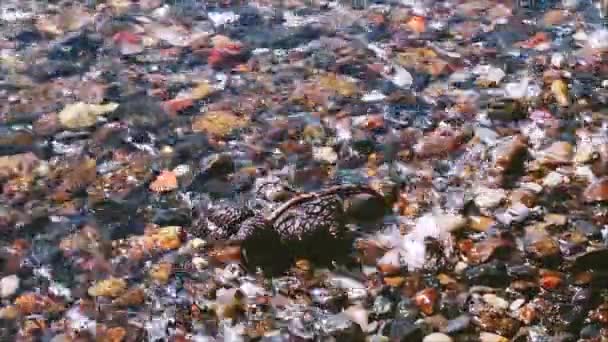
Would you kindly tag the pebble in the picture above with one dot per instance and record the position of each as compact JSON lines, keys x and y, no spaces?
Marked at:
{"x":597,"y":191}
{"x":560,"y":152}
{"x":437,"y":337}
{"x":495,"y":301}
{"x":487,"y":198}
{"x":516,"y":304}
{"x":458,"y":324}
{"x":558,"y":60}
{"x":9,"y":285}
{"x":480,"y":223}
{"x":554,"y":179}
{"x":326,"y":154}
{"x":81,"y":115}
{"x":111,"y":287}
{"x":122,"y":125}
{"x":404,"y":330}
{"x":489,"y":337}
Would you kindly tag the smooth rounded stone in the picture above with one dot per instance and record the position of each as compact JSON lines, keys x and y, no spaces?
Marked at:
{"x":382,"y":306}
{"x":516,"y":304}
{"x":458,"y":324}
{"x":593,"y":260}
{"x":590,"y":331}
{"x":404,"y":330}
{"x":15,"y":141}
{"x":560,"y":152}
{"x":524,"y":196}
{"x":587,"y":228}
{"x":558,"y":59}
{"x":597,"y":191}
{"x":437,"y":337}
{"x":506,"y":110}
{"x":487,"y":198}
{"x":554,"y":179}
{"x":509,"y":154}
{"x":517,"y":213}
{"x":342,"y":328}
{"x":217,"y":165}
{"x":9,"y":285}
{"x":364,"y":207}
{"x":325,"y":154}
{"x":490,"y":337}
{"x":495,"y":301}
{"x":486,"y":135}
{"x":522,"y":271}
{"x":490,"y":274}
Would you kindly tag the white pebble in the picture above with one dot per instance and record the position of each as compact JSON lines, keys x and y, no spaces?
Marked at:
{"x":495,"y":301}
{"x":558,"y":60}
{"x":554,"y":179}
{"x":489,"y":198}
{"x":489,"y":337}
{"x":437,"y":337}
{"x":516,"y":304}
{"x":598,"y":39}
{"x":325,"y":153}
{"x":9,"y":285}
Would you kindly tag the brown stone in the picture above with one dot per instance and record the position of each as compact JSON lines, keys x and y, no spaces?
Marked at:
{"x":544,"y":248}
{"x":133,"y":297}
{"x":492,"y":322}
{"x":396,"y":281}
{"x":509,"y":155}
{"x":597,"y":191}
{"x":524,"y":196}
{"x":480,"y":223}
{"x":426,"y":300}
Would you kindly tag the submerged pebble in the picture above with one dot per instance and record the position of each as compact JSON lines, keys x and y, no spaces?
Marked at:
{"x":349,"y":171}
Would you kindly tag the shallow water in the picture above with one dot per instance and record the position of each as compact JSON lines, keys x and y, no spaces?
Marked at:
{"x":303,"y":170}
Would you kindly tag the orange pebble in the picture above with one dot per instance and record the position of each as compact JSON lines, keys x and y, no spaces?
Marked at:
{"x":550,"y":281}
{"x":166,"y":181}
{"x":417,"y":24}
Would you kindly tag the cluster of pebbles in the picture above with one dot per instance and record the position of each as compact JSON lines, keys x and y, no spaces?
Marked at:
{"x":300,"y":170}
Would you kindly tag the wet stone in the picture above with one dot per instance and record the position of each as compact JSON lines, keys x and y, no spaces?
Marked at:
{"x":188,"y":168}
{"x":437,"y":337}
{"x":587,"y":228}
{"x":491,"y":274}
{"x":506,"y":110}
{"x":458,"y":324}
{"x":404,"y":330}
{"x":365,"y":207}
{"x":597,"y":191}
